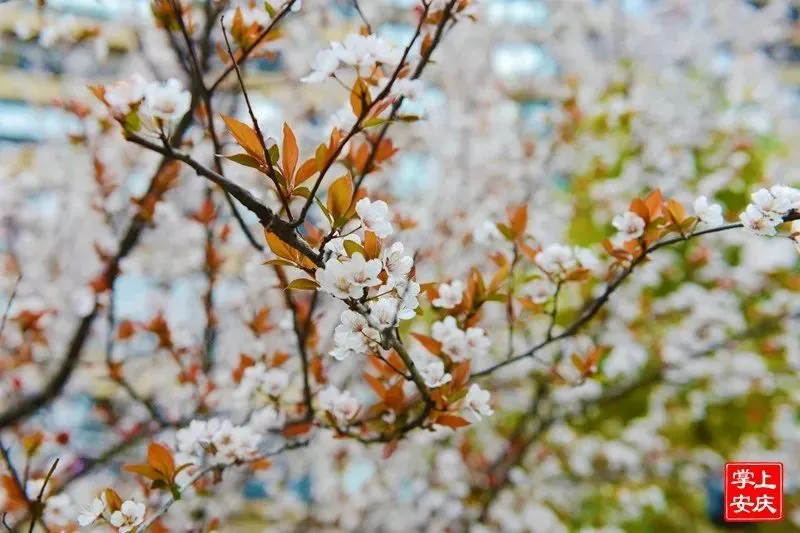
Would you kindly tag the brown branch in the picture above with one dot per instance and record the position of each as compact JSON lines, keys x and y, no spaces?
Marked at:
{"x":437,"y":38}
{"x":268,"y":219}
{"x":10,"y":302}
{"x":259,"y":134}
{"x":365,"y":111}
{"x":597,"y":304}
{"x":248,"y":50}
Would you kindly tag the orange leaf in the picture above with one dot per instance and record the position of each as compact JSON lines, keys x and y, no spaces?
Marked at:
{"x":339,"y":195}
{"x":641,"y":209}
{"x":653,"y":203}
{"x":295,"y":430}
{"x":31,"y":443}
{"x":15,"y":498}
{"x":126,"y":330}
{"x":452,"y":421}
{"x":390,"y":448}
{"x":261,"y":464}
{"x":372,"y":245}
{"x":306,"y":170}
{"x":376,"y":386}
{"x":675,"y":211}
{"x":461,"y":374}
{"x":518,"y":219}
{"x":113,"y":500}
{"x":245,"y":136}
{"x":160,"y":458}
{"x":430,"y":344}
{"x":394,"y":396}
{"x":289,"y":153}
{"x":144,"y":470}
{"x":360,"y":98}
{"x":278,"y":247}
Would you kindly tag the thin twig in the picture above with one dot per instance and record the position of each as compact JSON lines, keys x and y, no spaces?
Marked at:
{"x":259,"y":134}
{"x":597,"y":304}
{"x":10,"y":302}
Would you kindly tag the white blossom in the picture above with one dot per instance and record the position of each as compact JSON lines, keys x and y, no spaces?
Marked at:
{"x":540,"y":290}
{"x":477,"y":402}
{"x":89,"y":514}
{"x":122,"y":95}
{"x":556,"y":259}
{"x":341,"y":404}
{"x":374,"y":216}
{"x":450,"y":295}
{"x":167,"y":101}
{"x":630,"y":225}
{"x":709,"y":214}
{"x":129,"y":515}
{"x":434,"y":374}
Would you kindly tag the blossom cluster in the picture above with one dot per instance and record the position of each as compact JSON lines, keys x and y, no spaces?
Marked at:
{"x":159,"y":103}
{"x":356,"y":51}
{"x":769,"y":208}
{"x":126,"y":518}
{"x":217,"y":442}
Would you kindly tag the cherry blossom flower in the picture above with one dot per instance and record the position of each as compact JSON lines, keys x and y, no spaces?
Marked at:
{"x":486,"y":233}
{"x":759,"y":222}
{"x":353,"y":336}
{"x":59,"y":510}
{"x":364,"y":273}
{"x":450,"y":295}
{"x":130,"y":515}
{"x":434,"y":374}
{"x":587,"y":259}
{"x":217,"y":441}
{"x":709,"y":214}
{"x":540,"y":290}
{"x":337,"y":279}
{"x":341,"y":404}
{"x":336,"y":246}
{"x":363,"y":52}
{"x":374,"y":216}
{"x":267,"y":419}
{"x":167,"y":101}
{"x":766,"y":202}
{"x":407,"y":292}
{"x":272,"y":381}
{"x":477,"y":402}
{"x":630,"y":226}
{"x":396,"y":264}
{"x":124,"y":94}
{"x":384,"y":311}
{"x":556,"y":259}
{"x":325,"y":65}
{"x":458,"y":344}
{"x":89,"y":514}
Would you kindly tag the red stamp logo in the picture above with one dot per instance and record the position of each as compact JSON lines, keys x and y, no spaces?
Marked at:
{"x":753,"y":492}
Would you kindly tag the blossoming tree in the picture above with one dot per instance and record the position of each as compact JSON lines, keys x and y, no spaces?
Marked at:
{"x":218,"y":320}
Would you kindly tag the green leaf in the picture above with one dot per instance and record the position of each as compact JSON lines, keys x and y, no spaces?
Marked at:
{"x":271,"y":10}
{"x":374,"y":121}
{"x":305,"y":192}
{"x":409,"y":118}
{"x":324,"y":210}
{"x":243,"y":159}
{"x":274,"y":154}
{"x":352,"y":247}
{"x":506,"y":231}
{"x":277,"y":261}
{"x":132,"y":122}
{"x":303,"y":284}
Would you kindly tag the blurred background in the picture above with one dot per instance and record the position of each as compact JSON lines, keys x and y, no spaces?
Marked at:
{"x":37,"y":69}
